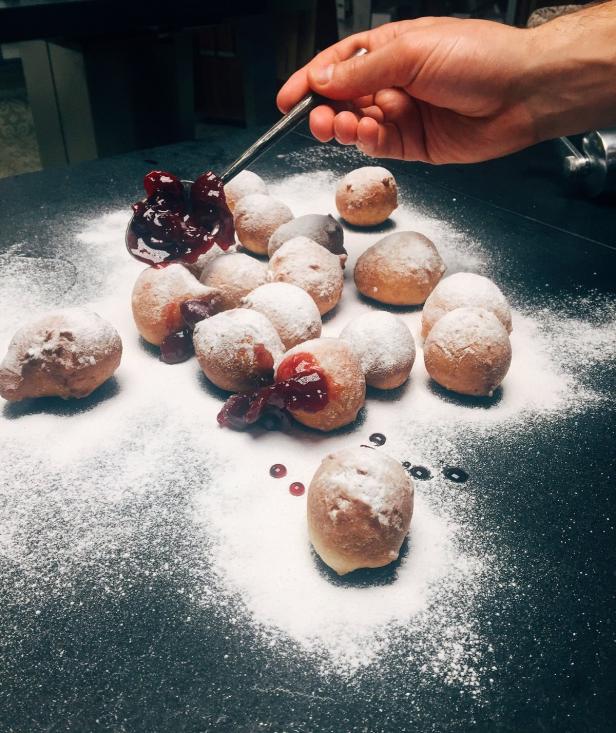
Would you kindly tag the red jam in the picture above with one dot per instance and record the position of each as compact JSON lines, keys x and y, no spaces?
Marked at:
{"x":301,"y":385}
{"x":178,"y":346}
{"x":173,"y":225}
{"x":297,"y":488}
{"x":278,"y":470}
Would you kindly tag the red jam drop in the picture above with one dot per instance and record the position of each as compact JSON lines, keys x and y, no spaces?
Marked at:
{"x":278,"y":470}
{"x":177,"y":347}
{"x":172,"y":224}
{"x":301,"y":386}
{"x":297,"y":488}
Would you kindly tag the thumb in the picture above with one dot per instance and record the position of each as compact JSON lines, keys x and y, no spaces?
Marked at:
{"x":392,"y":65}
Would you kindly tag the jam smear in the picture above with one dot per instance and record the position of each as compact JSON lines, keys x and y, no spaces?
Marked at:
{"x":301,"y":386}
{"x":278,"y":470}
{"x":178,"y":346}
{"x":377,"y":439}
{"x":455,"y":474}
{"x":174,"y":224}
{"x":297,"y":488}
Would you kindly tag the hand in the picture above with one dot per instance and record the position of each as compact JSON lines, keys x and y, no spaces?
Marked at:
{"x":444,"y":90}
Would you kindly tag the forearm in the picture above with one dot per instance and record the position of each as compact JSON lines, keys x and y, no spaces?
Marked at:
{"x":571,"y":83}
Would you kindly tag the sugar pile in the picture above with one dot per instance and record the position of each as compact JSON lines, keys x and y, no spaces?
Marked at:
{"x":79,"y":480}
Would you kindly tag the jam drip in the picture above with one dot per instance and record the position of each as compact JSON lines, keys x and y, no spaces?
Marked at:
{"x":302,"y":386}
{"x":178,"y":346}
{"x":174,"y":224}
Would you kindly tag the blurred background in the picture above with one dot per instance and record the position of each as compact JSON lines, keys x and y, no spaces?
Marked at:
{"x":85,"y":79}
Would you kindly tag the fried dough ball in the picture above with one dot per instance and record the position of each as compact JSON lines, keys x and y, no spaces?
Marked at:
{"x":244,"y":184}
{"x":305,"y":263}
{"x":322,"y":229}
{"x":256,"y":218}
{"x":234,"y":276}
{"x":468,"y":351}
{"x":65,"y":353}
{"x":385,"y":347}
{"x":291,"y":310}
{"x":400,"y":269}
{"x":464,"y":290}
{"x":346,"y":386}
{"x":360,"y":504}
{"x":367,"y":196}
{"x":157,"y":296}
{"x":237,"y":349}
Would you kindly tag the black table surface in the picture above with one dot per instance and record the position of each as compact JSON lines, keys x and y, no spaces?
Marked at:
{"x":546,"y":496}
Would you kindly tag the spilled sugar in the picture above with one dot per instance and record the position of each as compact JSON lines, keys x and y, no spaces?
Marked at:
{"x":74,"y":484}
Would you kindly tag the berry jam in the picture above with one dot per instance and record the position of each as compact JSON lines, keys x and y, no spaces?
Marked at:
{"x":174,"y":225}
{"x":420,"y":472}
{"x":178,"y":346}
{"x":278,"y":470}
{"x":301,"y":385}
{"x":455,"y":474}
{"x":377,"y":439}
{"x":297,"y":488}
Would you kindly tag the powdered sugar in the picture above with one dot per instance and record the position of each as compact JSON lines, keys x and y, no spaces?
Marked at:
{"x":258,"y":216}
{"x":234,"y":275}
{"x":359,"y":184}
{"x":244,"y":184}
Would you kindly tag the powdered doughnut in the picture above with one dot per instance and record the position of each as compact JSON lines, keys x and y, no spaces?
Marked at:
{"x":360,"y":504}
{"x":197,"y":267}
{"x":346,"y":385}
{"x":468,"y":351}
{"x":237,"y":349}
{"x":464,"y":290}
{"x":384,"y":346}
{"x":291,"y":310}
{"x":256,"y":217}
{"x":322,"y":229}
{"x":244,"y":184}
{"x":157,"y":296}
{"x":400,"y":269}
{"x":367,"y":196}
{"x":234,"y":275}
{"x":65,"y":353}
{"x":305,"y":263}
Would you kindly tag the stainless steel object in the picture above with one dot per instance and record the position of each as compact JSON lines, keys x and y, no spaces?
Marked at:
{"x":593,"y":169}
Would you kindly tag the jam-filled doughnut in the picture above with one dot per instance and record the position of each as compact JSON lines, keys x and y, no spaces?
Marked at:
{"x":464,"y":290}
{"x":157,"y":296}
{"x":385,"y":347}
{"x":234,"y":276}
{"x":468,"y":351}
{"x":256,"y":218}
{"x":342,"y":374}
{"x":244,"y":184}
{"x":360,"y":504}
{"x":305,"y":263}
{"x":321,"y":228}
{"x":64,"y":353}
{"x":291,"y":310}
{"x":400,"y":269}
{"x":237,"y":349}
{"x":367,"y":196}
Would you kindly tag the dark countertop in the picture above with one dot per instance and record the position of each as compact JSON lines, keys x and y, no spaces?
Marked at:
{"x":546,"y":496}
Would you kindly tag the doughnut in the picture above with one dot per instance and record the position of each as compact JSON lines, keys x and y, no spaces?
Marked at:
{"x":305,"y":263}
{"x":385,"y":348}
{"x":322,"y":229}
{"x":346,"y":386}
{"x":400,"y":269}
{"x":360,"y":504}
{"x":236,"y":349}
{"x":256,"y":217}
{"x":234,"y":276}
{"x":244,"y":184}
{"x":468,"y":351}
{"x":198,"y":266}
{"x":157,"y":296}
{"x":366,"y":196}
{"x":292,"y":311}
{"x":464,"y":290}
{"x":64,"y":353}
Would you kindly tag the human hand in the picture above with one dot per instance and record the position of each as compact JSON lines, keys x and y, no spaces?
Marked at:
{"x":444,"y":90}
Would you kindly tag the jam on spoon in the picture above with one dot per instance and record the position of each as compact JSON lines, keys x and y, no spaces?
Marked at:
{"x":301,"y":386}
{"x":174,"y":224}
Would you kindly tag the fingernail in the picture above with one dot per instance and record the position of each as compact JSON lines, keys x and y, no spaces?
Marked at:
{"x":324,"y":75}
